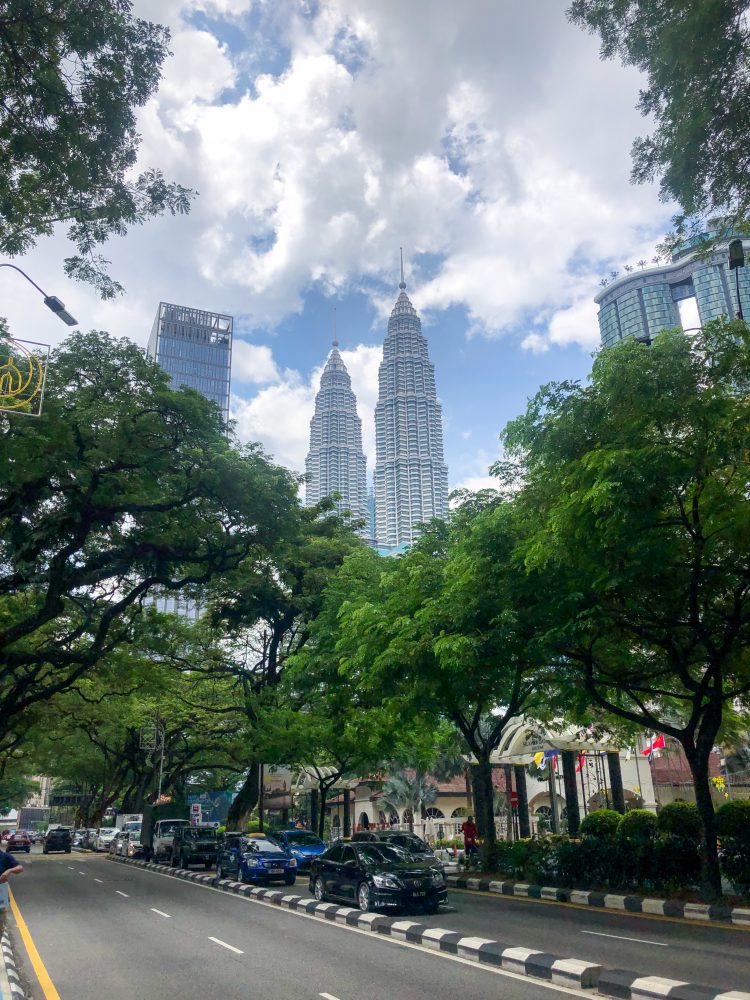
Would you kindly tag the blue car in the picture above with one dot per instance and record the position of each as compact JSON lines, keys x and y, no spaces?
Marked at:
{"x":255,"y":859}
{"x":303,"y":846}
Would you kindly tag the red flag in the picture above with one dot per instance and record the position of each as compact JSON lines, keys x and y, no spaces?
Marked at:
{"x":581,"y":759}
{"x":657,"y":744}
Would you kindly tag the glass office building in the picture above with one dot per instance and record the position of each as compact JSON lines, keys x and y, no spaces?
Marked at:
{"x":194,"y":347}
{"x":643,"y":303}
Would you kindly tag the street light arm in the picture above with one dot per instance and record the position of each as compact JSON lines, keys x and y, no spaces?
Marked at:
{"x":30,"y":280}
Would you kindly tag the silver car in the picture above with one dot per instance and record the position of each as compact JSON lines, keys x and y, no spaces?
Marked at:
{"x":104,"y":838}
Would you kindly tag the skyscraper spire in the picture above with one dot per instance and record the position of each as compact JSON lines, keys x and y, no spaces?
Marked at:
{"x":402,"y":286}
{"x":335,"y":338}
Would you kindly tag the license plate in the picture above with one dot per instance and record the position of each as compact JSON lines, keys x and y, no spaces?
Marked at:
{"x":419,"y":892}
{"x":276,"y":871}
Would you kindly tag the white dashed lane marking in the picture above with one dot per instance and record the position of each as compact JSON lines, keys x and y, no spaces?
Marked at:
{"x":122,"y":894}
{"x":656,"y":944}
{"x":160,"y":912}
{"x":223,"y":944}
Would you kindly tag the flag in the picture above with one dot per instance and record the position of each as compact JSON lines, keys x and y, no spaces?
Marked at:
{"x":656,"y":744}
{"x":581,"y":761}
{"x":539,"y":759}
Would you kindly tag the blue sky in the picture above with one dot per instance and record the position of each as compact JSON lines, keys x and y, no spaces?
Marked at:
{"x":486,"y":138}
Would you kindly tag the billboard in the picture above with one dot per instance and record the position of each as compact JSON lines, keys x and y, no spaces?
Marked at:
{"x":212,"y":806}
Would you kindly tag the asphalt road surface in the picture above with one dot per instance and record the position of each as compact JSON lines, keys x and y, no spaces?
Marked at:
{"x":114,"y":931}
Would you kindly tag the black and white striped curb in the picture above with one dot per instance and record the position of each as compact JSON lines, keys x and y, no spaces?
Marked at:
{"x":719,"y":912}
{"x":14,"y":980}
{"x":538,"y":964}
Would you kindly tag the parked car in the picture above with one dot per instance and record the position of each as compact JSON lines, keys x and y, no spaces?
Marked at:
{"x":303,"y":845}
{"x":18,"y":840}
{"x":414,"y":846}
{"x":255,"y":859}
{"x":133,"y":848}
{"x":164,"y":829}
{"x":104,"y":838}
{"x":375,"y":876}
{"x":194,"y":845}
{"x":58,"y":839}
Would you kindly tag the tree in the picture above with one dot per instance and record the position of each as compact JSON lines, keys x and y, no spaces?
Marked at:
{"x":121,"y":487}
{"x":695,"y":58}
{"x":410,"y":791}
{"x":635,"y":490}
{"x":72,"y":74}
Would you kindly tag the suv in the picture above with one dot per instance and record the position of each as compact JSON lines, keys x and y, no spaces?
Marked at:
{"x":194,"y":845}
{"x":104,"y":838}
{"x":161,"y":849}
{"x":58,"y":839}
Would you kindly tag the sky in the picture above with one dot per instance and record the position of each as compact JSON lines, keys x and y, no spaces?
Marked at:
{"x":484,"y":137}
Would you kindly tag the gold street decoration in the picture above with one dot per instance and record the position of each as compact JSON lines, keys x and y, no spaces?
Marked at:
{"x":23,"y":369}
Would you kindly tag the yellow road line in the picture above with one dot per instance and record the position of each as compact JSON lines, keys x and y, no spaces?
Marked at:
{"x":683,"y":921}
{"x":48,"y":987}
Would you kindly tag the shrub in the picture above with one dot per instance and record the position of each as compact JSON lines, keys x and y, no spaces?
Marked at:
{"x":675,"y":862}
{"x":602,"y":823}
{"x":680,"y":819}
{"x":637,"y":828}
{"x":733,"y":819}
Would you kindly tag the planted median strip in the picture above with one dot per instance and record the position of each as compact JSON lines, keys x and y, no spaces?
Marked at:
{"x":569,"y":972}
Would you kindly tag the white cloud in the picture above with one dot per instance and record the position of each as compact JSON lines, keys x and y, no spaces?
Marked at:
{"x":253,"y":363}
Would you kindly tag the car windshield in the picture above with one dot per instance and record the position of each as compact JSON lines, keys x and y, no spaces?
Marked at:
{"x":380,"y":853}
{"x":107,"y":831}
{"x":410,"y":841}
{"x":257,"y":844}
{"x":208,"y":833}
{"x":308,"y":839}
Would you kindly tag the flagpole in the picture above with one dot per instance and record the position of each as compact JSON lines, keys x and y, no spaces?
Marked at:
{"x":638,"y":769}
{"x":582,"y":762}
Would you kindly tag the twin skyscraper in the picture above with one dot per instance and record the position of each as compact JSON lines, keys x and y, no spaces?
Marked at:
{"x":411,"y":478}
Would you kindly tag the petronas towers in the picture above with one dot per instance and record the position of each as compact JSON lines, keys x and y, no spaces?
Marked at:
{"x":411,"y":478}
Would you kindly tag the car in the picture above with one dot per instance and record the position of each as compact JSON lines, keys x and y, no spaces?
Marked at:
{"x":375,"y":876}
{"x":194,"y":845}
{"x":116,"y":843}
{"x":303,"y":845}
{"x":58,"y":839}
{"x":88,"y":838}
{"x":104,"y":838}
{"x":414,"y":846}
{"x":163,"y":836}
{"x":125,"y":837}
{"x":133,"y":848}
{"x":255,"y":859}
{"x":18,"y":840}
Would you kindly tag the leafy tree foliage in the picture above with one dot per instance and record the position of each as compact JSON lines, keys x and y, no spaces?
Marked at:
{"x":121,"y":487}
{"x":635,"y":489}
{"x":412,"y":792}
{"x":72,"y":74}
{"x":695,"y":58}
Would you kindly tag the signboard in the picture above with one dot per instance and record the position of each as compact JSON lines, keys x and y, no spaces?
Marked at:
{"x":277,"y":787}
{"x":196,"y":814}
{"x":23,"y":369}
{"x":214,"y":805}
{"x":67,"y":800}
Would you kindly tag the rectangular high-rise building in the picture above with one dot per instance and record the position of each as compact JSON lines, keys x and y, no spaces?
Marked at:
{"x":194,"y":347}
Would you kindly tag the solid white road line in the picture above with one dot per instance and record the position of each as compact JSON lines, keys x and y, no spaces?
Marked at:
{"x":160,"y":912}
{"x":223,"y":944}
{"x":656,"y":944}
{"x":122,"y":894}
{"x":99,"y":881}
{"x":328,"y":996}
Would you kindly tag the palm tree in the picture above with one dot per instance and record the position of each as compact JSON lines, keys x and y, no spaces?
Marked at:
{"x":407,"y":791}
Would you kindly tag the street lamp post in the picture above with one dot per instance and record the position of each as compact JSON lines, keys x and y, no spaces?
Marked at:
{"x":736,"y":261}
{"x":51,"y":301}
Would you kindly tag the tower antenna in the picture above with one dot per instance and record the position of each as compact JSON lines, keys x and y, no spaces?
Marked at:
{"x":335,"y":338}
{"x":402,"y":286}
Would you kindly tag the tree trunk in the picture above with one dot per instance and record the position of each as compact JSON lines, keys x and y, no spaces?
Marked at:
{"x":347,"y":814}
{"x":615,"y":780}
{"x":321,"y":817}
{"x":481,"y":779}
{"x":698,"y":758}
{"x":246,"y":799}
{"x":314,"y":810}
{"x":524,"y":823}
{"x":571,"y":791}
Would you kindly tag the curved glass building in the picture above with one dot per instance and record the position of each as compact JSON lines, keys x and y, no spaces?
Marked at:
{"x":643,"y":303}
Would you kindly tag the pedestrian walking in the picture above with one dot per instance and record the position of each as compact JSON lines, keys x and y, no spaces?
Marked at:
{"x":8,"y":866}
{"x":469,"y":830}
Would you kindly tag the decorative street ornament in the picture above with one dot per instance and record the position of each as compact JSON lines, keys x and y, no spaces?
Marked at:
{"x":23,"y":371}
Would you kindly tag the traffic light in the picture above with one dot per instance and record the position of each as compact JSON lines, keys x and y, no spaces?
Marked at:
{"x":736,"y":255}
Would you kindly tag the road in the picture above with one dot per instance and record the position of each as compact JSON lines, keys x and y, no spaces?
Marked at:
{"x":114,"y":931}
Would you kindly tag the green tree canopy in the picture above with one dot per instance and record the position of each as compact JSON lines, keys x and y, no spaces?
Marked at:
{"x":123,"y":486}
{"x":694,"y":54}
{"x":72,"y":74}
{"x":635,"y":489}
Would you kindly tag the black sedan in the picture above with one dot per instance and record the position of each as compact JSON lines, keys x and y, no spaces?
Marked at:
{"x":376,"y":876}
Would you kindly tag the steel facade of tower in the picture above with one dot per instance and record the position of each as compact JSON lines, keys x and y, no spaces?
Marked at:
{"x":336,"y":462}
{"x":194,"y":347}
{"x":411,"y":478}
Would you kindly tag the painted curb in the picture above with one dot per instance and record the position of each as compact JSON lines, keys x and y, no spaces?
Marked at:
{"x":717,"y":912}
{"x":14,"y":980}
{"x":535,"y":964}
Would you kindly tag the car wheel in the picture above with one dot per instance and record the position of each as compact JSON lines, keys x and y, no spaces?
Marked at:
{"x":183,"y":862}
{"x":207,"y":866}
{"x":364,"y":898}
{"x":431,"y":907}
{"x":173,"y":862}
{"x":67,"y":850}
{"x":318,"y":890}
{"x":290,"y":879}
{"x":219,"y":872}
{"x":45,"y":851}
